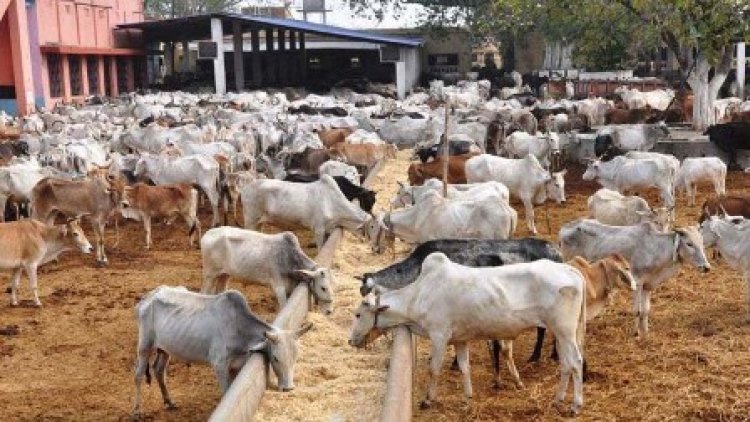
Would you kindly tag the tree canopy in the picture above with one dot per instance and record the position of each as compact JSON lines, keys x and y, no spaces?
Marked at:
{"x":179,"y":8}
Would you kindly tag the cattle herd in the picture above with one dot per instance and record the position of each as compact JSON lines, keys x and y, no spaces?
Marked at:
{"x":299,"y":160}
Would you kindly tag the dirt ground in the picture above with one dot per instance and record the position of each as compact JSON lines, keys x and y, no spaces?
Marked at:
{"x":73,"y":358}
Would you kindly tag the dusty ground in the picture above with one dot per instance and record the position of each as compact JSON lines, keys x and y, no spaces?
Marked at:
{"x":72,"y":359}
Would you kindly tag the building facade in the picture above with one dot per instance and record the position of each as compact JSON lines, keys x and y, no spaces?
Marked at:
{"x":54,"y":51}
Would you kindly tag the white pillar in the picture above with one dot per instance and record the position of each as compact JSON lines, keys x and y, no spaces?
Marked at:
{"x":741,"y":70}
{"x":401,"y":79}
{"x":220,"y":76}
{"x":185,"y":63}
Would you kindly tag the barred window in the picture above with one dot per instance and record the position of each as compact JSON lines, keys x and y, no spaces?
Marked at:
{"x":92,"y":68}
{"x":54,"y":70}
{"x":76,"y":82}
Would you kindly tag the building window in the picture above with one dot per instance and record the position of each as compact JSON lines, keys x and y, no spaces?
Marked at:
{"x":314,"y":63}
{"x":76,"y":86}
{"x":54,"y":74}
{"x":442,"y":63}
{"x":92,"y":70}
{"x":355,"y":63}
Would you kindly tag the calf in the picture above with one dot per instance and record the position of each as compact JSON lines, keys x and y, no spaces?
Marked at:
{"x":330,"y":137}
{"x":622,"y":174}
{"x":28,"y":244}
{"x":364,"y":155}
{"x":611,"y":207}
{"x":725,"y":204}
{"x":448,"y":299}
{"x":420,"y":172}
{"x":143,"y":202}
{"x":701,"y":169}
{"x":218,"y":329}
{"x":276,"y":260}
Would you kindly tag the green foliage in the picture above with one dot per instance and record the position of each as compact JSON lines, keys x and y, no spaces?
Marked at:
{"x":179,"y":8}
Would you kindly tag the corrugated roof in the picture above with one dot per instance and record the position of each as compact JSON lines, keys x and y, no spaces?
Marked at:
{"x":199,"y":27}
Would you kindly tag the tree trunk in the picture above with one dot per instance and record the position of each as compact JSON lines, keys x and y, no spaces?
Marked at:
{"x":705,"y":92}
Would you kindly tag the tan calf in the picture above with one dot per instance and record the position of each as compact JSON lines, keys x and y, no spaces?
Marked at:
{"x":143,"y":202}
{"x":27,"y":244}
{"x":331,"y":137}
{"x":366,"y":155}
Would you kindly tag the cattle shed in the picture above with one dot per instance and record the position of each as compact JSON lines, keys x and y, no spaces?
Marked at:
{"x":261,"y":51}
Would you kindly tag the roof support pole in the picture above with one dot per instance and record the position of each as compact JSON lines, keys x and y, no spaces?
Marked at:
{"x":281,"y":58}
{"x":185,"y":63}
{"x":255,"y":57}
{"x":270,"y":73}
{"x":220,"y":75}
{"x":400,"y":79}
{"x":303,"y":58}
{"x":239,"y":64}
{"x":293,"y":69}
{"x":741,"y":70}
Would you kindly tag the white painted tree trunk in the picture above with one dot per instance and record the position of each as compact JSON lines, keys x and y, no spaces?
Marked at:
{"x":705,"y":92}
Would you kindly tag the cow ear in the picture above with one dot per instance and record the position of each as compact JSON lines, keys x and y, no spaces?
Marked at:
{"x":257,"y":347}
{"x":382,"y":308}
{"x":303,"y":275}
{"x":302,"y":330}
{"x":272,"y":336}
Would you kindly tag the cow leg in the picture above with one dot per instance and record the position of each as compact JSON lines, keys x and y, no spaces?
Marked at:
{"x":194,"y":228}
{"x":320,"y":237}
{"x":222,"y":374}
{"x":462,"y":353}
{"x":528,"y":207}
{"x":571,"y":364}
{"x":281,"y":294}
{"x":14,"y":281}
{"x":436,"y":362}
{"x":160,"y":369}
{"x":645,"y":309}
{"x":507,"y":350}
{"x":637,"y":308}
{"x":31,"y":273}
{"x":147,"y":229}
{"x":141,"y":371}
{"x":537,"y":353}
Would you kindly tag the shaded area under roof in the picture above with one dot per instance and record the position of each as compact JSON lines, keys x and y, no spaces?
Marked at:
{"x":199,"y":27}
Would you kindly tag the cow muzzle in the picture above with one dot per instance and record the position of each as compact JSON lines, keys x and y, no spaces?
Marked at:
{"x":87,"y":249}
{"x":705,"y":268}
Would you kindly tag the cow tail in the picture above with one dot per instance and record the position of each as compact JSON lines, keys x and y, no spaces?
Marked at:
{"x":581,"y":330}
{"x":193,"y":211}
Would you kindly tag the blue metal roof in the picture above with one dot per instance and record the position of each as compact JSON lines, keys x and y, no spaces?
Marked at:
{"x":198,"y":26}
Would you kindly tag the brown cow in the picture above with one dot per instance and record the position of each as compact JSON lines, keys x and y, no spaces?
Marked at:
{"x":143,"y":202}
{"x":638,"y":115}
{"x":729,"y":204}
{"x":740,"y":116}
{"x":420,"y":172}
{"x":28,"y":244}
{"x":309,"y":160}
{"x":365,"y":155}
{"x":96,"y":197}
{"x":331,"y":137}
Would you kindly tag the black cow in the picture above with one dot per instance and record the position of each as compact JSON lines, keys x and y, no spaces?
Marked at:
{"x":729,"y":137}
{"x":605,"y":149}
{"x":11,"y":149}
{"x":433,"y":151}
{"x":472,"y":253}
{"x":351,"y":191}
{"x":326,"y":111}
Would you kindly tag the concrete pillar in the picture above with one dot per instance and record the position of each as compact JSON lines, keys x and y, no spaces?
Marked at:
{"x":255,"y":57}
{"x":220,"y":76}
{"x":100,"y":73}
{"x":84,"y":77}
{"x":168,"y":59}
{"x":741,"y":69}
{"x":21,"y":54}
{"x":113,"y":76}
{"x":293,"y":69}
{"x":400,"y":79}
{"x":270,"y":66}
{"x":185,"y":63}
{"x":65,"y":77}
{"x":303,"y":59}
{"x":281,"y":58}
{"x":239,"y":64}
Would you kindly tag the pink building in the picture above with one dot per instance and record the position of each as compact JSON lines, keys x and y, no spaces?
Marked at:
{"x":62,"y":51}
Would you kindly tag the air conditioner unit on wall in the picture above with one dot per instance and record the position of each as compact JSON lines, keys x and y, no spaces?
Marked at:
{"x":390,"y":54}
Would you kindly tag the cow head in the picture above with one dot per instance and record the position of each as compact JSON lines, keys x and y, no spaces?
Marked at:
{"x":689,"y":246}
{"x":365,"y":325}
{"x":73,"y":232}
{"x":555,"y":186}
{"x":592,"y":170}
{"x":320,"y":281}
{"x":281,"y":349}
{"x":713,"y":226}
{"x":404,"y":197}
{"x":379,"y":232}
{"x":662,"y":217}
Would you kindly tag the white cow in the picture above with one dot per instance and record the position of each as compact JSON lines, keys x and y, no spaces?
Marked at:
{"x":335,"y":168}
{"x":611,"y":207}
{"x":701,"y":169}
{"x":520,"y":144}
{"x":275,"y":260}
{"x":622,"y":174}
{"x":525,"y":178}
{"x":319,"y":206}
{"x":635,"y":137}
{"x":192,"y":169}
{"x":410,"y":195}
{"x":731,"y":235}
{"x":658,"y":99}
{"x":654,"y":256}
{"x":453,"y":304}
{"x":220,"y":330}
{"x":486,"y":216}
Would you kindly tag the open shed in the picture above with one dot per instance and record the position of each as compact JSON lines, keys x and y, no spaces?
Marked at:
{"x":276,"y":54}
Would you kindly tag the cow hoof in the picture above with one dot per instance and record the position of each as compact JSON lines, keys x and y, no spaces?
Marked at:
{"x":171,"y":407}
{"x":425,"y":404}
{"x":14,"y":304}
{"x":496,"y":385}
{"x":38,"y":305}
{"x":534,"y":359}
{"x":100,"y":264}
